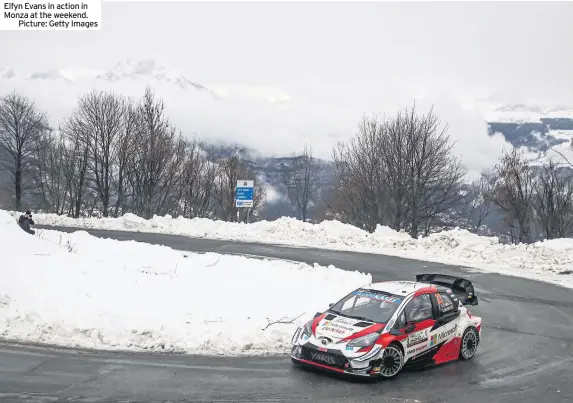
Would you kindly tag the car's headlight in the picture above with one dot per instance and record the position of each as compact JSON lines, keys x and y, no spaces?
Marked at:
{"x":364,"y":341}
{"x":307,"y":329}
{"x":303,"y":332}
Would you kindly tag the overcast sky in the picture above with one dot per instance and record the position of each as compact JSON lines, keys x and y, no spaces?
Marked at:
{"x":336,"y":61}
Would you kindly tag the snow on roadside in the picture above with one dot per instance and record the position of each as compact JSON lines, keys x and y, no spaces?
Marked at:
{"x":539,"y":261}
{"x":77,"y":290}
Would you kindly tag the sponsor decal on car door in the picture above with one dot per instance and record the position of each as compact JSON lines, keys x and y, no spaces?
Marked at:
{"x":418,"y":341}
{"x":443,"y":334}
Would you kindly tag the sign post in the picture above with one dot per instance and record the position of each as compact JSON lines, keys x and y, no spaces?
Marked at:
{"x":244,"y":195}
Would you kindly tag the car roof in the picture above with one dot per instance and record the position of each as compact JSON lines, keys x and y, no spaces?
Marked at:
{"x":403,"y":288}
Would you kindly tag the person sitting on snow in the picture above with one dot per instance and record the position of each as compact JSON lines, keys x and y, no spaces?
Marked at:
{"x":25,"y":221}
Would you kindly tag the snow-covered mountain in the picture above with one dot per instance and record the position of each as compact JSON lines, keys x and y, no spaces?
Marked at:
{"x":522,"y":113}
{"x":129,"y":70}
{"x":133,"y":69}
{"x":543,"y":133}
{"x":140,"y":72}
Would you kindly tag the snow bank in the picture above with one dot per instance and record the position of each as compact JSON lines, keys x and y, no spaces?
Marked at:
{"x":545,"y":261}
{"x":80,"y":291}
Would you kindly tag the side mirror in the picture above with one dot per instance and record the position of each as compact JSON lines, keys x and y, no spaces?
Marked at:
{"x":410,"y":326}
{"x":330,"y":305}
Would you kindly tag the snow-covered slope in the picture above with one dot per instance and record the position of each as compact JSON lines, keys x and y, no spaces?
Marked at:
{"x":80,"y":291}
{"x":138,"y":72}
{"x":550,"y":261}
{"x":526,"y":113}
{"x":133,"y":69}
{"x":543,"y":133}
{"x":561,"y":152}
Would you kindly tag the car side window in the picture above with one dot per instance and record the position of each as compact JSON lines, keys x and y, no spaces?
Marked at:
{"x":419,"y":309}
{"x":446,"y":303}
{"x":401,"y":321}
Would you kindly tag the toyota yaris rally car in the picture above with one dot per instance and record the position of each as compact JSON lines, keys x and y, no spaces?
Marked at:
{"x":378,"y":330}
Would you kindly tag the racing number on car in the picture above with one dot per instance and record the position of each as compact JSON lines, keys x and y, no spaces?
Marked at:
{"x":445,"y":306}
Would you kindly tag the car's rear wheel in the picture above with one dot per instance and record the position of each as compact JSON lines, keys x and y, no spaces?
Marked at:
{"x":469,"y":344}
{"x":392,"y":361}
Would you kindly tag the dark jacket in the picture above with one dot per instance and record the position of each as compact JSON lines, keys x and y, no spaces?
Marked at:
{"x":25,"y":222}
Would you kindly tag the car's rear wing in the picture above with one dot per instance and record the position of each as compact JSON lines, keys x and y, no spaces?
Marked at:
{"x":462,"y":288}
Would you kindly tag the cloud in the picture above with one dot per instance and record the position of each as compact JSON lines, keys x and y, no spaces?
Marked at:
{"x":467,"y":129}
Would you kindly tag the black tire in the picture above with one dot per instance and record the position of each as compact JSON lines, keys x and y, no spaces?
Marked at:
{"x":469,"y":343}
{"x":392,"y":361}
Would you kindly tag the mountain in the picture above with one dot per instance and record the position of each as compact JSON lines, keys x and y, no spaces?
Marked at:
{"x":141,"y":71}
{"x":129,"y":70}
{"x":540,"y":132}
{"x":133,"y":69}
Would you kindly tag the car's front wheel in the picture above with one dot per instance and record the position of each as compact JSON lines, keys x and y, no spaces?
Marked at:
{"x":469,"y":343}
{"x":392,"y":361}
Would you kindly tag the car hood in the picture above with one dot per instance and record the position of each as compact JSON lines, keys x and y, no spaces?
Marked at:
{"x":337,"y":327}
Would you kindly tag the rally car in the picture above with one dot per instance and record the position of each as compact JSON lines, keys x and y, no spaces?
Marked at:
{"x":378,"y":330}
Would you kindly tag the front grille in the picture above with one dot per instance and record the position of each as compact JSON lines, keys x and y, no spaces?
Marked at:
{"x":330,"y":358}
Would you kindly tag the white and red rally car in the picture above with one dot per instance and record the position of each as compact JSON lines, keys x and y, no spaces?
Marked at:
{"x":376,"y":331}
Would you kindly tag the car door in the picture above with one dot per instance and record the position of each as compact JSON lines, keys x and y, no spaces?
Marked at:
{"x":447,"y":312}
{"x":416,"y":321}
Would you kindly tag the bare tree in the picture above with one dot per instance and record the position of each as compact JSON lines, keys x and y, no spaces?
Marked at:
{"x":553,"y":201}
{"x":156,"y":160}
{"x":562,"y":155}
{"x":399,"y":172}
{"x":512,"y":190}
{"x":434,"y":175}
{"x":393,"y":149}
{"x":126,"y":147}
{"x":76,"y":155}
{"x":360,"y":196}
{"x":478,"y":207}
{"x":98,"y":121}
{"x":300,"y":180}
{"x":197,"y":181}
{"x":20,"y":125}
{"x":50,"y":174}
{"x":73,"y":163}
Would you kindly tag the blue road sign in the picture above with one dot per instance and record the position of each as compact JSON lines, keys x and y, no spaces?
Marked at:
{"x":244,"y":193}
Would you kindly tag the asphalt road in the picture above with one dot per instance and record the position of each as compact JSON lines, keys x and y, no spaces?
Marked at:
{"x":526,"y":354}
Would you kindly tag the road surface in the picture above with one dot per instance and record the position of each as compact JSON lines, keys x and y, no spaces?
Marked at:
{"x":526,"y":354}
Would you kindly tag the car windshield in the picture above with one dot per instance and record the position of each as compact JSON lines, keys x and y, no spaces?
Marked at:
{"x":370,"y":305}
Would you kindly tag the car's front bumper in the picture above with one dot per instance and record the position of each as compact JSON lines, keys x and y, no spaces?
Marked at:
{"x":341,"y":366}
